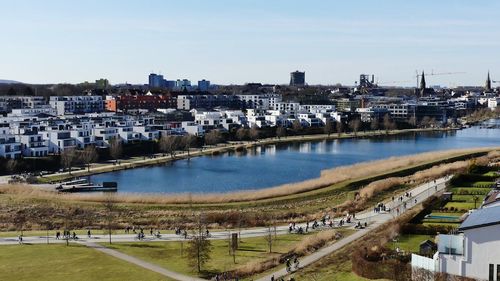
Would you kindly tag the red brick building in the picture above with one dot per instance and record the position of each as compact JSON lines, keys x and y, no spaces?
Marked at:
{"x":148,"y":101}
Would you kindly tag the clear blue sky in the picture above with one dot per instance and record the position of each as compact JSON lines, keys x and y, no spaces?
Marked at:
{"x":230,"y":41}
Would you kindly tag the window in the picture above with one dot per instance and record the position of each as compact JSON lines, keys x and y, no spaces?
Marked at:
{"x":492,"y":272}
{"x":498,"y":271}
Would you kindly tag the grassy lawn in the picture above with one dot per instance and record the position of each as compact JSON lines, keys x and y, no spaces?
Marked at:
{"x":483,"y":184}
{"x":60,"y":262}
{"x":409,"y":242}
{"x":461,"y":205}
{"x":470,"y":190}
{"x":168,"y":254}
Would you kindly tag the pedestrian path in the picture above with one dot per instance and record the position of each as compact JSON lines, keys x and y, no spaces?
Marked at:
{"x":141,"y":263}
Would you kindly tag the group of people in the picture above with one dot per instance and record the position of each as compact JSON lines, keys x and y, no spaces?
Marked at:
{"x":67,"y":235}
{"x":183,"y":232}
{"x":290,"y":265}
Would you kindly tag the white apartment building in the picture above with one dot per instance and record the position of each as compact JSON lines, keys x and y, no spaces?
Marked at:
{"x":33,"y":145}
{"x":193,"y":128}
{"x":9,"y":147}
{"x":58,"y":140}
{"x":262,"y":101}
{"x":43,"y":109}
{"x":493,"y":103}
{"x":76,"y":104}
{"x":317,"y":108}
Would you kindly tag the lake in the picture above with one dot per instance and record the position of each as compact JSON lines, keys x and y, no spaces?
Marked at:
{"x":273,"y":165}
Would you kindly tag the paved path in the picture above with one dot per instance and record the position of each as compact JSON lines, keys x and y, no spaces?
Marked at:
{"x":141,"y":263}
{"x":420,"y":193}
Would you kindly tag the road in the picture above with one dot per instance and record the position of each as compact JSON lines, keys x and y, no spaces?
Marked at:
{"x":397,"y":207}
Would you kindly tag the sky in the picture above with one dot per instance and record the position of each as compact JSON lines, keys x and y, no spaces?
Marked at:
{"x":241,"y":41}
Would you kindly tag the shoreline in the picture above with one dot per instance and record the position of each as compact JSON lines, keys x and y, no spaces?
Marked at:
{"x":220,"y":149}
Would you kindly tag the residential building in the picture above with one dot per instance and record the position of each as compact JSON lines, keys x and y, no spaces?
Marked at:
{"x":76,"y":104}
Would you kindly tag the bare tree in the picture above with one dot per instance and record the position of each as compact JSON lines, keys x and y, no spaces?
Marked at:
{"x":374,"y":124}
{"x":340,"y":128}
{"x":11,"y":166}
{"x":110,"y":209}
{"x":297,"y":126}
{"x":188,"y":141}
{"x":280,"y":132}
{"x":213,"y":137}
{"x":387,"y":123}
{"x":68,"y":158}
{"x":269,"y":238}
{"x":115,"y":148}
{"x":242,"y":134}
{"x":20,"y":219}
{"x":328,"y":129}
{"x":199,"y":248}
{"x":354,"y":126}
{"x":89,"y":155}
{"x":425,"y":122}
{"x":169,"y":144}
{"x":254,"y":133}
{"x":412,"y":121}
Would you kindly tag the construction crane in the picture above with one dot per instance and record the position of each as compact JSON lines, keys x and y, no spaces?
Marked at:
{"x":417,"y":75}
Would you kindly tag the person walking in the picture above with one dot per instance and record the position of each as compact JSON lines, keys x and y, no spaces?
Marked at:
{"x":20,"y":237}
{"x":88,"y":233}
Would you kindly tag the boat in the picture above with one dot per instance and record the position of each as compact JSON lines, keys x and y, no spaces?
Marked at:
{"x":89,"y":187}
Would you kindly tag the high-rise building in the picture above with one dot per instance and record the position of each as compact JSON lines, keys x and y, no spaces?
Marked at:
{"x":203,"y":85}
{"x":183,"y":84}
{"x":156,"y":80}
{"x":297,"y":78}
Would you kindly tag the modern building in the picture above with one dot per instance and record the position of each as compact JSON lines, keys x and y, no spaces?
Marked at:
{"x":149,"y":101}
{"x":156,"y":80}
{"x":183,"y":84}
{"x":76,"y":104}
{"x":203,"y":85}
{"x":188,"y":102}
{"x":297,"y":78}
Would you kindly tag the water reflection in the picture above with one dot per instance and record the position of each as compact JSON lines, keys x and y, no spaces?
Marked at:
{"x":272,"y":165}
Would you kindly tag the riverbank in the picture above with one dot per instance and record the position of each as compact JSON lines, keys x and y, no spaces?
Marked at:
{"x":160,"y":159}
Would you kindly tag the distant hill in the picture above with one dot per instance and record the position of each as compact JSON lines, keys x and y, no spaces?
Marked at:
{"x":9,"y":82}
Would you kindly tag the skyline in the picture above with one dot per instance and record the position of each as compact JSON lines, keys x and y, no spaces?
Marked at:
{"x":255,"y":41}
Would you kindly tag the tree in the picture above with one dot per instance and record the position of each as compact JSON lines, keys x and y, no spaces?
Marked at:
{"x":199,"y":248}
{"x":354,"y":126}
{"x":412,"y":121}
{"x":89,"y":155}
{"x":374,"y":124}
{"x":11,"y":166}
{"x":213,"y":137}
{"x":340,"y":128}
{"x":254,"y":133}
{"x":242,"y":134}
{"x":296,"y":126}
{"x":115,"y":148}
{"x":269,"y":239}
{"x":425,"y":122}
{"x":188,"y":141}
{"x":20,"y":219}
{"x":280,"y":132}
{"x":68,"y":158}
{"x":169,"y":144}
{"x":109,"y":213}
{"x":328,"y":129}
{"x":387,"y":123}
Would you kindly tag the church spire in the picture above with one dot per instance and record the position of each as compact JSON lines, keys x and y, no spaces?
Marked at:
{"x":487,"y":86}
{"x":422,"y":82}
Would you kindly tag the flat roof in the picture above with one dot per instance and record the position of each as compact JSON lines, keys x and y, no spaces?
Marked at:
{"x":482,"y":218}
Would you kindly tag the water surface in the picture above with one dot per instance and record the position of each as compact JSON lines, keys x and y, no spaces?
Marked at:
{"x":273,"y":165}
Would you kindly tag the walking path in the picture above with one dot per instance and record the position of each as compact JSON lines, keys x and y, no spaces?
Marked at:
{"x":142,"y":263}
{"x":373,"y":219}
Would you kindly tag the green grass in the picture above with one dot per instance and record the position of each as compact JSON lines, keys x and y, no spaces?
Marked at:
{"x":482,"y":184}
{"x":470,"y":190}
{"x":409,"y":242}
{"x":168,"y":254}
{"x":62,"y":263}
{"x":492,"y":174}
{"x":461,"y":205}
{"x":466,"y":198}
